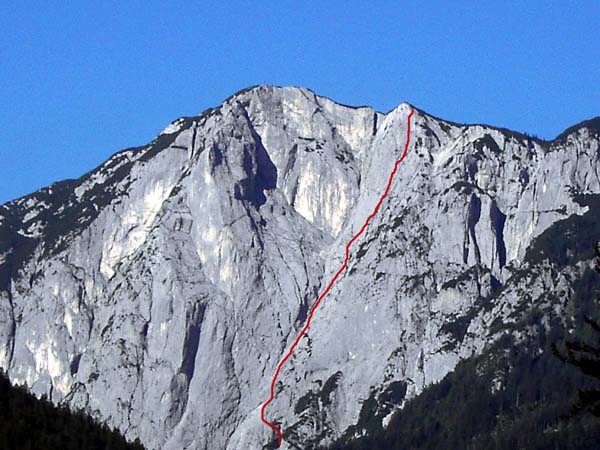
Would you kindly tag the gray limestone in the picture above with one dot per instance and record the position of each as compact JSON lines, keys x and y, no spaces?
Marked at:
{"x":159,"y":291}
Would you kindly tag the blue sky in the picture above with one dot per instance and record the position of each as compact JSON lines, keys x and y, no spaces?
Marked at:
{"x":80,"y":82}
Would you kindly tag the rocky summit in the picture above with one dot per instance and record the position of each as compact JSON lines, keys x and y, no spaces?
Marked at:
{"x":159,"y":291}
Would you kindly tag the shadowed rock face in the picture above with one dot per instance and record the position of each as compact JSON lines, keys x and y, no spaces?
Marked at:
{"x":159,"y":291}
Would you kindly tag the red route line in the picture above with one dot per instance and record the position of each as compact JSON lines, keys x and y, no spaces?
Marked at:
{"x":330,"y":285}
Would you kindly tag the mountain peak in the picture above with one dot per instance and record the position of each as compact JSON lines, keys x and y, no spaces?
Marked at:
{"x":592,"y":125}
{"x":161,"y":289}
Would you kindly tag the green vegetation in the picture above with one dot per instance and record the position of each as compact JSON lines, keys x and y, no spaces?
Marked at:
{"x":512,"y":397}
{"x":540,"y":391}
{"x":593,"y":125}
{"x":28,"y":423}
{"x":568,"y":241}
{"x":584,"y":354}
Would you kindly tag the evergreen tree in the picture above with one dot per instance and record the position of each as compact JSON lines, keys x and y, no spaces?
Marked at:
{"x":29,"y":423}
{"x":586,"y":357}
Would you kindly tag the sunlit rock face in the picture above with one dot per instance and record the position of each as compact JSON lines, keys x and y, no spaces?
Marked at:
{"x":159,"y":291}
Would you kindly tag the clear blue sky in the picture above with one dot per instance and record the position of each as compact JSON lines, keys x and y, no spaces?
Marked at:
{"x":80,"y":82}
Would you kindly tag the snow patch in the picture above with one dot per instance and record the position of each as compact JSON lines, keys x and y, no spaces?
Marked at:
{"x":173,"y":127}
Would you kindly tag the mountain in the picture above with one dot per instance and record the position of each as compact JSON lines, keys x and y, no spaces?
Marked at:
{"x":159,"y":291}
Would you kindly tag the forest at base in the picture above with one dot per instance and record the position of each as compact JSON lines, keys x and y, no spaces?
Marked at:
{"x":541,"y":391}
{"x":29,"y":423}
{"x":533,"y":410}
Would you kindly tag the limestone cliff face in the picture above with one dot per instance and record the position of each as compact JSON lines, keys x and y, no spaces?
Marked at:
{"x":160,"y":290}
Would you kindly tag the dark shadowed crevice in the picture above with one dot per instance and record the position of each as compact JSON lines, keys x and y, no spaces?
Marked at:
{"x":487,"y":141}
{"x":305,"y":306}
{"x":261,"y":173}
{"x":13,"y":327}
{"x":180,"y":383}
{"x":472,"y":219}
{"x":470,"y":168}
{"x":524,"y":176}
{"x":291,"y":160}
{"x":192,"y":340}
{"x":495,"y":284}
{"x":266,"y":173}
{"x":215,"y":158}
{"x":498,"y":218}
{"x":194,"y":135}
{"x":374,"y":124}
{"x":74,"y":366}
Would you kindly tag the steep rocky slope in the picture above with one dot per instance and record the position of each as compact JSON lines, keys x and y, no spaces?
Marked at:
{"x":160,"y":290}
